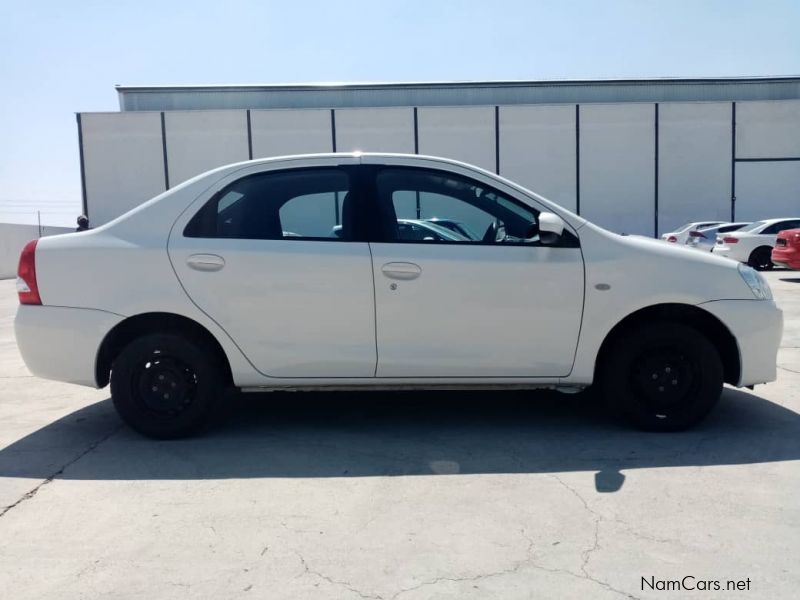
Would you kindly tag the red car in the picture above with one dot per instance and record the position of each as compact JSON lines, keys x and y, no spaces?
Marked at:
{"x":786,"y":252}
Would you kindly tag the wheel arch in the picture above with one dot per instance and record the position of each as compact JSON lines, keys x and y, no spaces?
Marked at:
{"x":136,"y":326}
{"x":697,"y":318}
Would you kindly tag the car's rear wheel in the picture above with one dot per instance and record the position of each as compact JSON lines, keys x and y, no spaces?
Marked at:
{"x":662,"y":376}
{"x":761,"y":259}
{"x":166,"y":385}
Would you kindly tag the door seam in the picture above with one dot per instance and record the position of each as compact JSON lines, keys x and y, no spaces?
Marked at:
{"x":374,"y":307}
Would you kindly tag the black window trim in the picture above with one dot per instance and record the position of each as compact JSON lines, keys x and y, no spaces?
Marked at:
{"x":370,"y":187}
{"x":355,"y":179}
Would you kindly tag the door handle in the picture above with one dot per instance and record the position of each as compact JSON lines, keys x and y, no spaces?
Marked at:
{"x":205,"y":262}
{"x":401,"y":270}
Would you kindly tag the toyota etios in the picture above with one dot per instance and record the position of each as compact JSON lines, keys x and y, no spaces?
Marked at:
{"x":322,"y":272}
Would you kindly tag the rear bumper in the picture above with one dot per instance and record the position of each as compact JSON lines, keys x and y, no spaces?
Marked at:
{"x":786,"y":256}
{"x":62,"y":343}
{"x":757,"y":326}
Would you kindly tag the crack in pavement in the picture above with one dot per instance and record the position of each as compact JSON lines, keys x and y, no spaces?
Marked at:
{"x":345,"y":584}
{"x":586,"y":555}
{"x":528,"y":561}
{"x":31,"y":493}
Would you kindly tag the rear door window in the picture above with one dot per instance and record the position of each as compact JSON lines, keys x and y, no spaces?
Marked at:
{"x":301,"y":204}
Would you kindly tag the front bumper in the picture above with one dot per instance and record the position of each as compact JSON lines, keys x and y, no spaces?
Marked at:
{"x":62,"y":343}
{"x":757,"y":326}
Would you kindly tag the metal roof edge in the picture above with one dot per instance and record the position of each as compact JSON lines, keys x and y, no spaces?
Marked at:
{"x":319,"y":86}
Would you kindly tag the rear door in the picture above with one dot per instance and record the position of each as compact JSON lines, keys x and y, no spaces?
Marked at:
{"x":278,"y":260}
{"x":502,"y":305}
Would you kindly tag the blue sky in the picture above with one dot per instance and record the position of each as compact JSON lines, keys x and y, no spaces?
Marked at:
{"x":60,"y":58}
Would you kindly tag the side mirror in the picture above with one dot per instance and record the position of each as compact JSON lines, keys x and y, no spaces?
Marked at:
{"x":551,"y":227}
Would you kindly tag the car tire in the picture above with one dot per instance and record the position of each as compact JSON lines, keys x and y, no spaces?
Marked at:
{"x":166,"y":385}
{"x":662,"y":376}
{"x":761,"y":259}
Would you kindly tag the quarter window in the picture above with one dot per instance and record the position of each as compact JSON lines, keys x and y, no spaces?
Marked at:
{"x":311,"y":204}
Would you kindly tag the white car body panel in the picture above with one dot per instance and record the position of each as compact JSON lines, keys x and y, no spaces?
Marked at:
{"x":297,"y":309}
{"x":62,"y":343}
{"x":478,"y":311}
{"x":639,"y":273}
{"x":758,"y":329}
{"x":532,"y":328}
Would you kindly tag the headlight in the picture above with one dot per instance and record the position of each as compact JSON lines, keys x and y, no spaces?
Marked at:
{"x":756,"y":282}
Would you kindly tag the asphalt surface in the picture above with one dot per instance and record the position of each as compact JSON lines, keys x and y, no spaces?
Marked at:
{"x":399,"y":495}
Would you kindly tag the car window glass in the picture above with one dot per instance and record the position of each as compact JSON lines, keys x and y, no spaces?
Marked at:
{"x":753,"y":226}
{"x":300,"y":204}
{"x":781,"y":226}
{"x":778,"y":227}
{"x":432,"y":206}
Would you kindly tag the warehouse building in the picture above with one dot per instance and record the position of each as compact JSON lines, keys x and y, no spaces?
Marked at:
{"x":635,"y":156}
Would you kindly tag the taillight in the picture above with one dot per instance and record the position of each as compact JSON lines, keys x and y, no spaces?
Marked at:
{"x":730,"y":240}
{"x":696,"y":234}
{"x":27,"y":288}
{"x":672,"y":238}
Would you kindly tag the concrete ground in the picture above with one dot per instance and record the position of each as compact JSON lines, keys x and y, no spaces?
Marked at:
{"x":398,"y":496}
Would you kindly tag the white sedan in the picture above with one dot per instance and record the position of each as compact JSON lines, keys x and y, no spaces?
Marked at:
{"x":753,"y":245}
{"x":200,"y":289}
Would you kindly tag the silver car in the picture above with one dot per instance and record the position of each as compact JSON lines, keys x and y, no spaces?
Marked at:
{"x":705,"y":238}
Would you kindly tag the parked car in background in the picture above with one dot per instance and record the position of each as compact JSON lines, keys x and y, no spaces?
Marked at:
{"x":457,"y":226}
{"x":416,"y":230}
{"x":203,"y":291}
{"x":705,"y":238}
{"x":680,"y":235}
{"x":786,"y":252}
{"x":753,"y":244}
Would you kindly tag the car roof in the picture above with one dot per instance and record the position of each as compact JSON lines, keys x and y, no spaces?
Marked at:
{"x":770,"y":221}
{"x":728,"y":224}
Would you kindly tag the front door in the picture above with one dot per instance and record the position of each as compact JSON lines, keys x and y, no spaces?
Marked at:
{"x":487,"y":299}
{"x":275,"y":259}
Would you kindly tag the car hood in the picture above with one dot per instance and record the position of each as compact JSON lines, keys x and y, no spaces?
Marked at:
{"x":655,"y":272}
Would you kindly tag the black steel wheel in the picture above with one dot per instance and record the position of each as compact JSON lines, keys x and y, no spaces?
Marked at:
{"x":166,"y":385}
{"x":662,"y":376}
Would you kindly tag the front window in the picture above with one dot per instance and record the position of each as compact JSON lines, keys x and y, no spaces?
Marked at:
{"x":430,"y":206}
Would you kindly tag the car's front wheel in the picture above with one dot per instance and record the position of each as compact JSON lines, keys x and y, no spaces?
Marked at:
{"x":166,"y":385}
{"x":662,"y":376}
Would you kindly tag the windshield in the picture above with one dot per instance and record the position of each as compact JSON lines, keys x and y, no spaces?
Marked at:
{"x":753,"y":226}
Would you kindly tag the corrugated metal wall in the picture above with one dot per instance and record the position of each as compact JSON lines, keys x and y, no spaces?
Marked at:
{"x":631,"y":167}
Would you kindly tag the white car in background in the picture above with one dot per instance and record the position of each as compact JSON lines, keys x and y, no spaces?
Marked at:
{"x":705,"y":238}
{"x":681,"y":234}
{"x":753,"y":244}
{"x":200,"y":289}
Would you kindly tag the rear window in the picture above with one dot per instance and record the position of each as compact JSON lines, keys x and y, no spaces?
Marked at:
{"x":753,"y":226}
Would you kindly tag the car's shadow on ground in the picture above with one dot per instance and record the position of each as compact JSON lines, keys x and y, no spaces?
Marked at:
{"x":374,"y":433}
